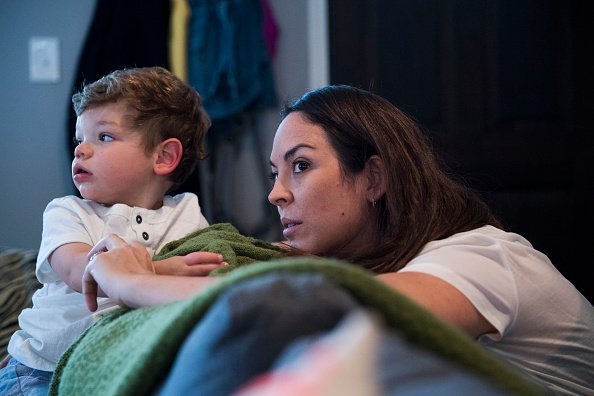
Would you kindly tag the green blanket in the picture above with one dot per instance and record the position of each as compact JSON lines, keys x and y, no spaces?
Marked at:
{"x":223,"y":238}
{"x":129,"y":352}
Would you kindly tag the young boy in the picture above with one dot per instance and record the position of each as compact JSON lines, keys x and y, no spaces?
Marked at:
{"x":139,"y":133}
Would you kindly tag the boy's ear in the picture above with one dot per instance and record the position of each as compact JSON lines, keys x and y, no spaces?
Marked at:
{"x":376,"y":178}
{"x":169,"y":153}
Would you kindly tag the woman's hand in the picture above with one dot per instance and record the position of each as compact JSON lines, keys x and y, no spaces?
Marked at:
{"x":112,"y":261}
{"x":193,"y":264}
{"x":126,"y":273}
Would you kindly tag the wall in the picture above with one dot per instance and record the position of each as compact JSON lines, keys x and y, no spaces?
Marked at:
{"x":35,"y":161}
{"x":35,"y":164}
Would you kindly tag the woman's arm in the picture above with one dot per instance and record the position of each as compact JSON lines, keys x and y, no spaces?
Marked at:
{"x":441,"y":298}
{"x":69,"y":262}
{"x":125,"y":272}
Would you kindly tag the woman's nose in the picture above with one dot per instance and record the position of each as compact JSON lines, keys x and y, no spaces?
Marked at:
{"x":279,"y":195}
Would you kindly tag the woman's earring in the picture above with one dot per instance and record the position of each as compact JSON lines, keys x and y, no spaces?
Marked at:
{"x":373,"y":203}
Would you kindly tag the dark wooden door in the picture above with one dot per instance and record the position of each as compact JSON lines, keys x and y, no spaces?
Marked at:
{"x":504,"y":89}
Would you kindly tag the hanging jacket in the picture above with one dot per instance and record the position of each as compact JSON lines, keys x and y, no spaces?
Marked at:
{"x":131,"y":33}
{"x":228,"y":60}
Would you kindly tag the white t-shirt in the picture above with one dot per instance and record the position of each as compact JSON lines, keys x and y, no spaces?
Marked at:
{"x":544,"y":325}
{"x":59,"y":314}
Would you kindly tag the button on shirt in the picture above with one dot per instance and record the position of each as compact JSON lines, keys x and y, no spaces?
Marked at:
{"x":59,"y":314}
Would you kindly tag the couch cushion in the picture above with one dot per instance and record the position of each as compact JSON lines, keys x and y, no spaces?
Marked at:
{"x":17,"y":285}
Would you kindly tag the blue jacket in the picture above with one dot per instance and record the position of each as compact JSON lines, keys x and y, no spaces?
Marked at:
{"x":228,"y":62}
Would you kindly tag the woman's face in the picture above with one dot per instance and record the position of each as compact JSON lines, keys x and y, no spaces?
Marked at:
{"x":321,"y":211}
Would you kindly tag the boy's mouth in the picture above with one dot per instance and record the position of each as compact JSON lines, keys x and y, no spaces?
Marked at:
{"x":79,"y":170}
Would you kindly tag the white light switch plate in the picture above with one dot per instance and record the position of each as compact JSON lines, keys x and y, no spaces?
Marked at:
{"x":44,"y":60}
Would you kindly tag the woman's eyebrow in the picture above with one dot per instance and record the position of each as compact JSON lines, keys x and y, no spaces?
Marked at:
{"x":291,"y":152}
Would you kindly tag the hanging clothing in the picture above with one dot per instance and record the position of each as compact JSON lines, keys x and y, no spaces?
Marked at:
{"x":228,"y":59}
{"x":229,"y":63}
{"x":131,"y":33}
{"x":178,"y":38}
{"x":270,"y":28}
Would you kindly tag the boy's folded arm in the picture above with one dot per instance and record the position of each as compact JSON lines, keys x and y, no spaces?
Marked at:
{"x":69,"y":261}
{"x":192,"y":264}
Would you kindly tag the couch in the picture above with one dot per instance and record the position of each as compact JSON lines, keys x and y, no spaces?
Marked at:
{"x":17,"y":285}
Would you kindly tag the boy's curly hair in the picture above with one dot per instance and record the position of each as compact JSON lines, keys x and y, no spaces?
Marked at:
{"x":161,"y":107}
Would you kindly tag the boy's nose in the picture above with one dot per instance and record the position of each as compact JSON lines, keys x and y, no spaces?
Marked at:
{"x":81,"y":151}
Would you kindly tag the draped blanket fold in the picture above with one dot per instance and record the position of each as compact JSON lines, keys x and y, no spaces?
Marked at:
{"x":223,"y":238}
{"x":129,"y":352}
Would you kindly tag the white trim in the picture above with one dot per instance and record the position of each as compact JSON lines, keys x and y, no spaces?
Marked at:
{"x":317,"y":40}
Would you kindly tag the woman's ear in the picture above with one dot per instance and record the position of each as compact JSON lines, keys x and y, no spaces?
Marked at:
{"x":169,"y":153}
{"x":376,"y":178}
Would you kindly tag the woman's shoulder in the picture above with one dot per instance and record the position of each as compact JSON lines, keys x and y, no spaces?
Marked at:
{"x":484,"y":252}
{"x":481,"y":239}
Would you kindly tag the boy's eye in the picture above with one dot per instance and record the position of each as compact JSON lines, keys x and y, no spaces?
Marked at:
{"x":104,"y":137}
{"x":76,"y":141}
{"x":300,"y":166}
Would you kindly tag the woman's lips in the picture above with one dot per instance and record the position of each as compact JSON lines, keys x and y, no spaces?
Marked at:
{"x":290,"y":227}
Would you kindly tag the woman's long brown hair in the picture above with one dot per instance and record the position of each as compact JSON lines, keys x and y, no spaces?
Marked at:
{"x":422,"y":202}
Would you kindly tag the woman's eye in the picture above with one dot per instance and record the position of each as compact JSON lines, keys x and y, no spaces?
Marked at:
{"x":104,"y":137}
{"x":76,"y":141}
{"x":300,"y":166}
{"x":273,"y":175}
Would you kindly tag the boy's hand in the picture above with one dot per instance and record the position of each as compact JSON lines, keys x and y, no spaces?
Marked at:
{"x":193,"y":264}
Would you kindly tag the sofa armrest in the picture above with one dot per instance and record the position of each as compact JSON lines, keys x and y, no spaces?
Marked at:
{"x":17,"y":285}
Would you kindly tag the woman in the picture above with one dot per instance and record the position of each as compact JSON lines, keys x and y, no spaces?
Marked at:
{"x":355,"y":179}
